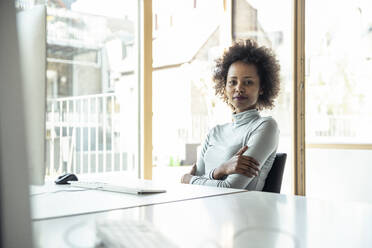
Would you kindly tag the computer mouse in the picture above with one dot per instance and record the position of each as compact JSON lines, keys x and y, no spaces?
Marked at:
{"x":65,"y":178}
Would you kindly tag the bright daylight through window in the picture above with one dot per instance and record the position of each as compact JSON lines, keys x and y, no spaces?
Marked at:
{"x":184,"y":104}
{"x":338,"y":99}
{"x":92,"y":86}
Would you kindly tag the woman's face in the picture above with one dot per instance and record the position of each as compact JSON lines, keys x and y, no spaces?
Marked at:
{"x":242,"y":86}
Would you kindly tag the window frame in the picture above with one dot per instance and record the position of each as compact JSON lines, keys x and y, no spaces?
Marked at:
{"x":298,"y":118}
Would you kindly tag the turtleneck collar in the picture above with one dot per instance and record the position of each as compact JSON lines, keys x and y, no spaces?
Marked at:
{"x":245,"y":117}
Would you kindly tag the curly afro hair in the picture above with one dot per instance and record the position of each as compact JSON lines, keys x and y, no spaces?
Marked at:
{"x":267,"y":65}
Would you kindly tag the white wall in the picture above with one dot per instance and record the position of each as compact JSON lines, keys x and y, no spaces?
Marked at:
{"x":339,"y":174}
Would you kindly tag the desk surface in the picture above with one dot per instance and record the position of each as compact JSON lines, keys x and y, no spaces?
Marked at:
{"x":55,"y":201}
{"x":246,"y":219}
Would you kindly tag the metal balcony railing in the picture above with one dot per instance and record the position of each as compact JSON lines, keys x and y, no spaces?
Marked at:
{"x":84,"y":136}
{"x":343,"y":126}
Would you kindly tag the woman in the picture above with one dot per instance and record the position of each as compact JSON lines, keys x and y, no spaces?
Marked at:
{"x":240,"y":154}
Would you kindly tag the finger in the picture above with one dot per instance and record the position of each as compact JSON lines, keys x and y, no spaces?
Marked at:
{"x":249,"y":169}
{"x":247,"y":173}
{"x":250,"y":175}
{"x":246,"y":159}
{"x":242,"y":150}
{"x":249,"y":159}
{"x":247,"y":164}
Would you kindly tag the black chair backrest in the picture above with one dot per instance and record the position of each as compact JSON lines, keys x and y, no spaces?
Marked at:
{"x":273,"y":181}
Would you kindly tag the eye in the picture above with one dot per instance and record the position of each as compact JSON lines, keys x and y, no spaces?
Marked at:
{"x":232,"y":82}
{"x":248,"y":82}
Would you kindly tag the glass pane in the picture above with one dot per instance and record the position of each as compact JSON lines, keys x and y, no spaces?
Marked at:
{"x":338,"y":90}
{"x":186,"y":41}
{"x":270,"y":23}
{"x":188,"y":37}
{"x":92,"y":86}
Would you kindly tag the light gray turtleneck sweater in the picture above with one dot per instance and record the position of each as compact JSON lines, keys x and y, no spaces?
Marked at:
{"x":260,"y":134}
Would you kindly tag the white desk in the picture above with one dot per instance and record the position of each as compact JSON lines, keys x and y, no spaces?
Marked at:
{"x":54,"y":201}
{"x":246,"y":219}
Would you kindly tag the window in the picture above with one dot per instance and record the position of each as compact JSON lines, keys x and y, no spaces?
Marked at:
{"x":185,"y":106}
{"x":269,"y":22}
{"x":92,"y":86}
{"x":338,"y":90}
{"x":93,"y":100}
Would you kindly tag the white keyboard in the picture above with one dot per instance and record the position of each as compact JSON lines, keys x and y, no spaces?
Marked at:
{"x":131,"y":234}
{"x":116,"y":188}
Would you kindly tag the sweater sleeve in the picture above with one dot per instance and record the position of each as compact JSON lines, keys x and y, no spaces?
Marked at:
{"x":200,"y":166}
{"x":261,"y":142}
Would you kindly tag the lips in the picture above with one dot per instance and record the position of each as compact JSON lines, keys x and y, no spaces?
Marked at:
{"x":240,"y":98}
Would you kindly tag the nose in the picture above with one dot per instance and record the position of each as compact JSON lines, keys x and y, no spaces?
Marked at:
{"x":239,"y":87}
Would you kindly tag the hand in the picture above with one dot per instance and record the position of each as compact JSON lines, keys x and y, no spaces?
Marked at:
{"x":238,"y":164}
{"x":187,"y":177}
{"x":193,"y":169}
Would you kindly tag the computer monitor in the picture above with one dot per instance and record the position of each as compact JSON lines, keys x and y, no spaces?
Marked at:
{"x":15,"y":127}
{"x":15,"y":207}
{"x":31,"y":26}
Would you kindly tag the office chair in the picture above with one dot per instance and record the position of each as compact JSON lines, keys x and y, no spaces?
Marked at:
{"x":273,"y":181}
